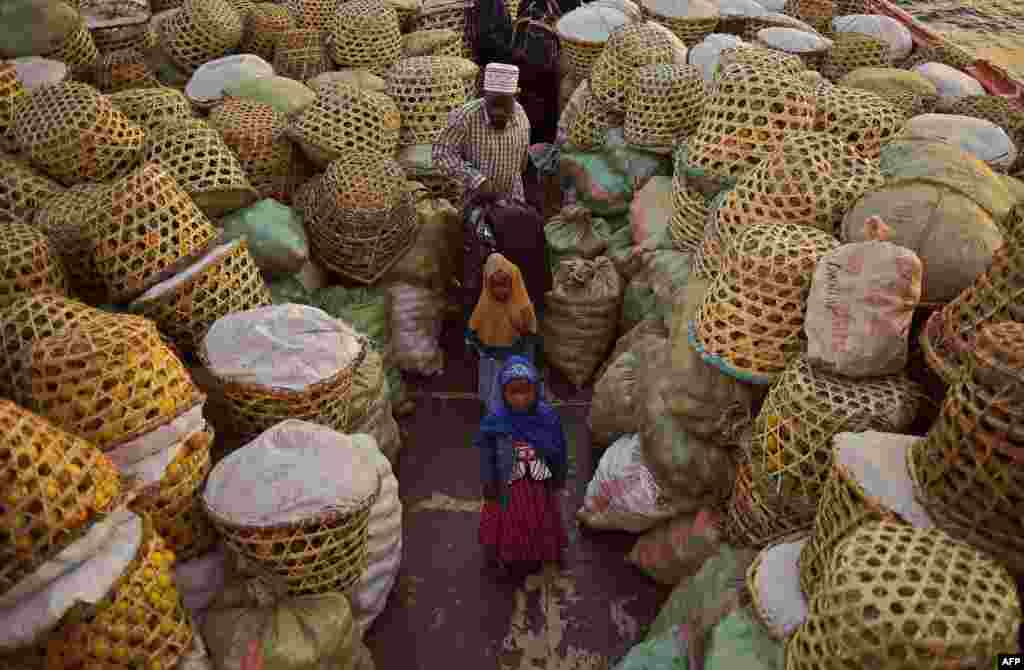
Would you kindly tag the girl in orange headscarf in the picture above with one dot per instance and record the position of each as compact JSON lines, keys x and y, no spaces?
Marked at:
{"x":503,"y":324}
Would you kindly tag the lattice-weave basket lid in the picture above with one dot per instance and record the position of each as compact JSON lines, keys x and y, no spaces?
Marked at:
{"x":311,"y":14}
{"x":426,"y":89}
{"x":852,"y":51}
{"x":362,"y":183}
{"x":150,"y":107}
{"x":897,"y":595}
{"x":296,"y":471}
{"x":30,"y":263}
{"x":199,"y":31}
{"x":23,"y":191}
{"x":773,"y":580}
{"x":630,"y":47}
{"x":665,"y":102}
{"x":365,"y":32}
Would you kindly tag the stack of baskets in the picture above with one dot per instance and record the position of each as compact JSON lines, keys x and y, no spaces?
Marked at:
{"x":301,"y":54}
{"x":30,"y":264}
{"x":699,"y":21}
{"x":256,"y":132}
{"x":589,"y":127}
{"x":116,"y":24}
{"x":426,"y":89}
{"x":852,"y":51}
{"x":265,"y":25}
{"x":436,"y":42}
{"x":449,"y":15}
{"x":862,"y":119}
{"x":124,"y":70}
{"x":200,"y":31}
{"x":366,"y":34}
{"x":629,"y":49}
{"x":23,"y":191}
{"x":664,"y":104}
{"x":583,"y":34}
{"x":151,"y":107}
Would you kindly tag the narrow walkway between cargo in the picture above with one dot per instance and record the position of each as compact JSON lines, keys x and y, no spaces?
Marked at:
{"x":446,"y":610}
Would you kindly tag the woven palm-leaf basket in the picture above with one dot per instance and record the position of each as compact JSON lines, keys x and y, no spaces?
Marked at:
{"x":301,"y":54}
{"x":426,"y":89}
{"x":116,"y":24}
{"x":312,"y":14}
{"x":791,"y":449}
{"x":324,"y":549}
{"x":142,"y":229}
{"x":257,"y":133}
{"x":11,"y":93}
{"x":199,"y":159}
{"x":345,"y":120}
{"x":174,"y":505}
{"x":589,"y":127}
{"x":783,"y":63}
{"x":690,"y":28}
{"x":151,"y":107}
{"x":366,"y":34}
{"x":968,"y":470}
{"x":124,"y":70}
{"x":775,"y":589}
{"x":56,"y":486}
{"x":224,"y":281}
{"x":264,"y":26}
{"x":142,"y":619}
{"x":360,"y":218}
{"x":30,"y":263}
{"x":867,"y":482}
{"x":440,"y":42}
{"x":689,"y":217}
{"x":449,"y":15}
{"x":996,"y":295}
{"x":109,"y":381}
{"x":76,"y":135}
{"x":28,"y":318}
{"x":630,"y":48}
{"x":901,"y":597}
{"x":23,"y":191}
{"x":750,"y":322}
{"x":816,"y":13}
{"x":851,"y":51}
{"x":664,"y":104}
{"x":200,"y":31}
{"x":761,"y":104}
{"x":470,"y":73}
{"x":78,"y":52}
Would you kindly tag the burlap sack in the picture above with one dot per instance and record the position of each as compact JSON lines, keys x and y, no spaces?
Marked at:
{"x":643,"y":337}
{"x":676,"y":549}
{"x":582,"y":316}
{"x":417,"y":315}
{"x":613,"y":407}
{"x":432,"y":260}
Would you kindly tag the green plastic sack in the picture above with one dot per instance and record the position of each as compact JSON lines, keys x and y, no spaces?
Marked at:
{"x":363,"y":308}
{"x":285,"y":95}
{"x":599,"y":187}
{"x":617,"y":223}
{"x":635,"y":162}
{"x":668,"y":651}
{"x":276,"y":237}
{"x":638,"y":302}
{"x":740,"y":641}
{"x":575,"y":233}
{"x":289,"y":290}
{"x":620,"y":251}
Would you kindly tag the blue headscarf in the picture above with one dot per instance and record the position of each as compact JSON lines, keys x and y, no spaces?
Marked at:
{"x":540,"y":425}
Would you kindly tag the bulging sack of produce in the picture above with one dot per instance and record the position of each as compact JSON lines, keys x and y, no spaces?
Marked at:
{"x":582,"y":316}
{"x":288,"y":290}
{"x":638,"y":303}
{"x":432,"y":260}
{"x":740,"y":641}
{"x":650,"y":213}
{"x":950,"y":82}
{"x":668,"y":651}
{"x":676,"y":549}
{"x":623,"y":494}
{"x":201,"y":580}
{"x":277,"y":240}
{"x":575,"y":233}
{"x":253,"y":625}
{"x":417,"y":315}
{"x":363,"y":308}
{"x":613,"y":408}
{"x":981,"y":138}
{"x":285,"y":95}
{"x":668,"y":273}
{"x":861,"y":306}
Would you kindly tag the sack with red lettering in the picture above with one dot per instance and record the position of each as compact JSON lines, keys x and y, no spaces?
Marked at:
{"x":862,"y":301}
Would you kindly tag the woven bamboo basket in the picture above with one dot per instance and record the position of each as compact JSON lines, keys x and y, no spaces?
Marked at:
{"x":867,"y":482}
{"x":247,"y":409}
{"x":816,"y":13}
{"x":360,"y":218}
{"x":200,"y":31}
{"x":664,"y":104}
{"x":851,"y":51}
{"x":78,"y":52}
{"x":470,"y":73}
{"x":243,"y":7}
{"x":968,"y":470}
{"x":199,"y":159}
{"x":11,"y":93}
{"x":56,"y":486}
{"x":750,"y":322}
{"x":750,"y":521}
{"x":326,"y":552}
{"x":580,"y":54}
{"x":911,"y":104}
{"x":164,"y":230}
{"x":124,"y":70}
{"x":151,"y":107}
{"x":589,"y":127}
{"x":116,"y":24}
{"x":257,"y":134}
{"x":449,"y":15}
{"x":903,"y":597}
{"x":301,"y":54}
{"x":774,"y":588}
{"x":347,"y":120}
{"x":945,"y":52}
{"x":791,"y":450}
{"x":23,"y":191}
{"x":996,"y":295}
{"x":630,"y":48}
{"x":417,"y":163}
{"x":223,"y":282}
{"x":311,"y":14}
{"x":717,"y":148}
{"x":689,"y":217}
{"x":690,"y":29}
{"x":76,"y":135}
{"x":30,"y":263}
{"x":264,"y":26}
{"x":426,"y":89}
{"x":859,"y":118}
{"x":782,"y":63}
{"x":366,"y":34}
{"x":173,"y":504}
{"x":440,"y":42}
{"x":707,"y":259}
{"x":142,"y":620}
{"x":68,"y":231}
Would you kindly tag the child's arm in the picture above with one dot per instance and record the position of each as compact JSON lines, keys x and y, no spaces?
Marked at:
{"x":488,"y":465}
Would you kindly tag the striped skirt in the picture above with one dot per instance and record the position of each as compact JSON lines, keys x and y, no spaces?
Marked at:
{"x":529,"y":529}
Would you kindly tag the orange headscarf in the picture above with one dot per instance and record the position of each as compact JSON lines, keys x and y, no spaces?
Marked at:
{"x":492,"y":321}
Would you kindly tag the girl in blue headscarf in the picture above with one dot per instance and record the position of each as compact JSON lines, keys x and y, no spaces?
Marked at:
{"x":523,"y":463}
